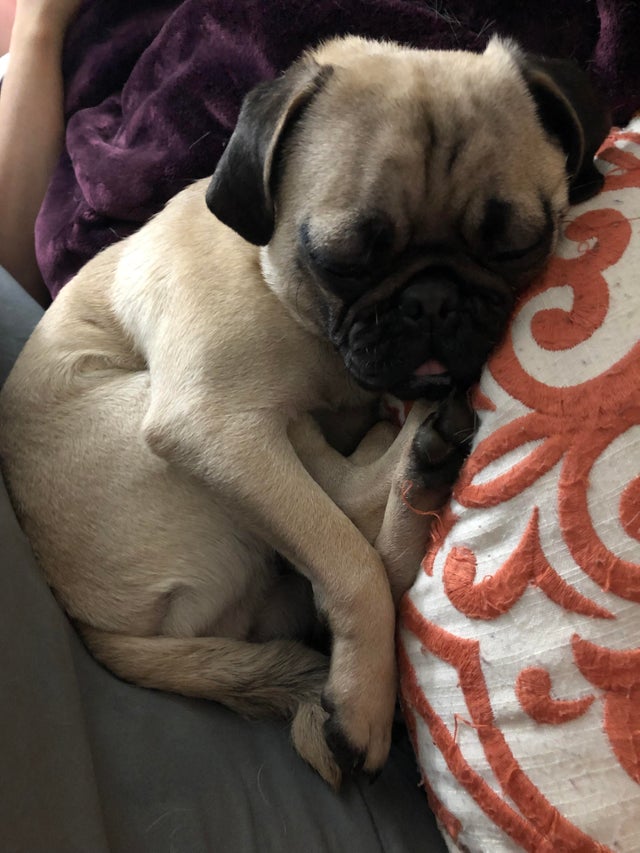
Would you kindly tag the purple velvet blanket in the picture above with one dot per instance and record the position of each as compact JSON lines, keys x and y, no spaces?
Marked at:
{"x":154,"y":87}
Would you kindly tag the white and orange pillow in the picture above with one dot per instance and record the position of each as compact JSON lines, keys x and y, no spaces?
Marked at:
{"x":519,"y":644}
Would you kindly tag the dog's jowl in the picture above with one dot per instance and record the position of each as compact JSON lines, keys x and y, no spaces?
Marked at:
{"x":190,"y":437}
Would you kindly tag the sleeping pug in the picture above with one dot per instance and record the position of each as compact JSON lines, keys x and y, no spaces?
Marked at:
{"x":195,"y":414}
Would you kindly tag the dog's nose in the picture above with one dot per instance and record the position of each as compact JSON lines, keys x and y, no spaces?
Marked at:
{"x":429,"y":297}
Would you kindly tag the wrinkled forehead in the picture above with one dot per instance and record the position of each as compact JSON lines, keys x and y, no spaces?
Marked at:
{"x":425,"y":134}
{"x":398,"y":75}
{"x":383,"y":103}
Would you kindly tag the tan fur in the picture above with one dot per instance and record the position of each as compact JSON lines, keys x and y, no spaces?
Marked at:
{"x":156,"y":432}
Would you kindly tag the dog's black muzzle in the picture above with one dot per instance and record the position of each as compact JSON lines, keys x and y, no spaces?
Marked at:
{"x":432,"y":334}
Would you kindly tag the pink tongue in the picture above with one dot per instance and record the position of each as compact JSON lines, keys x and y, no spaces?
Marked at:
{"x":431,"y":367}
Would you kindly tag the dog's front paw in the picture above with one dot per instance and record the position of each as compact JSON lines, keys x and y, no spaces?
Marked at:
{"x":442,"y":443}
{"x":359,"y":699}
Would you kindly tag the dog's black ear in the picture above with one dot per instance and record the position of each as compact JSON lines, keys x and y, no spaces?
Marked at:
{"x":240,"y":193}
{"x":572,"y":111}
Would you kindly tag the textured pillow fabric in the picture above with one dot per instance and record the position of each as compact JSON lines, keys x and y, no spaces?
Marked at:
{"x":519,"y":644}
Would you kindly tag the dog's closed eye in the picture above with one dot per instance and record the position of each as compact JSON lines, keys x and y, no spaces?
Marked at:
{"x":505,"y":248}
{"x":347,"y":260}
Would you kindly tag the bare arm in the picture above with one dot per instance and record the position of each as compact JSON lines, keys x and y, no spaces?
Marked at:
{"x":31,"y":131}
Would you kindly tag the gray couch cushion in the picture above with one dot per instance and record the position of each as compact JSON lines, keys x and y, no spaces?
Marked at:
{"x":18,"y":315}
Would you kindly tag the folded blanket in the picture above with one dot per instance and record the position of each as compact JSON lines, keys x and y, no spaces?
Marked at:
{"x":154,"y":88}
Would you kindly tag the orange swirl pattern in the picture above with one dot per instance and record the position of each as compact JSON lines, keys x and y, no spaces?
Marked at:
{"x":526,"y":616}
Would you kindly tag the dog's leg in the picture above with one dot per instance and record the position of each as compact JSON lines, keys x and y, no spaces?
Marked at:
{"x":249,"y":460}
{"x":422,"y":482}
{"x":378,"y":441}
{"x":388,"y":487}
{"x":394,"y":483}
{"x":360,"y":483}
{"x":253,"y":679}
{"x":279,"y":677}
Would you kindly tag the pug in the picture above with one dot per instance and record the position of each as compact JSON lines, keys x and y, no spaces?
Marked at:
{"x":191,"y":435}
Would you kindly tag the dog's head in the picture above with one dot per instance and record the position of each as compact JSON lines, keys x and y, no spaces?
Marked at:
{"x":405,"y":197}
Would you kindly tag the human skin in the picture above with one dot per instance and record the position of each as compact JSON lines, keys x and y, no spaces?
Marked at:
{"x":7,"y":12}
{"x":31,"y":131}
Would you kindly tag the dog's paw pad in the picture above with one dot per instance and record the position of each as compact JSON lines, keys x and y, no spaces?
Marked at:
{"x":442,"y":443}
{"x":455,"y":421}
{"x":430,"y":448}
